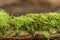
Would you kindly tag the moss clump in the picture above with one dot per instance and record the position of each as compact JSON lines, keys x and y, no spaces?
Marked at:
{"x":49,"y":23}
{"x":5,"y":21}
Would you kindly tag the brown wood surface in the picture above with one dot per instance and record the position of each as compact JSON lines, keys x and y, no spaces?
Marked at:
{"x":19,"y":7}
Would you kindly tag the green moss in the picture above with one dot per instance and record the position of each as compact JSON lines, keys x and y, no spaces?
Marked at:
{"x":37,"y":22}
{"x":49,"y":23}
{"x":5,"y":21}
